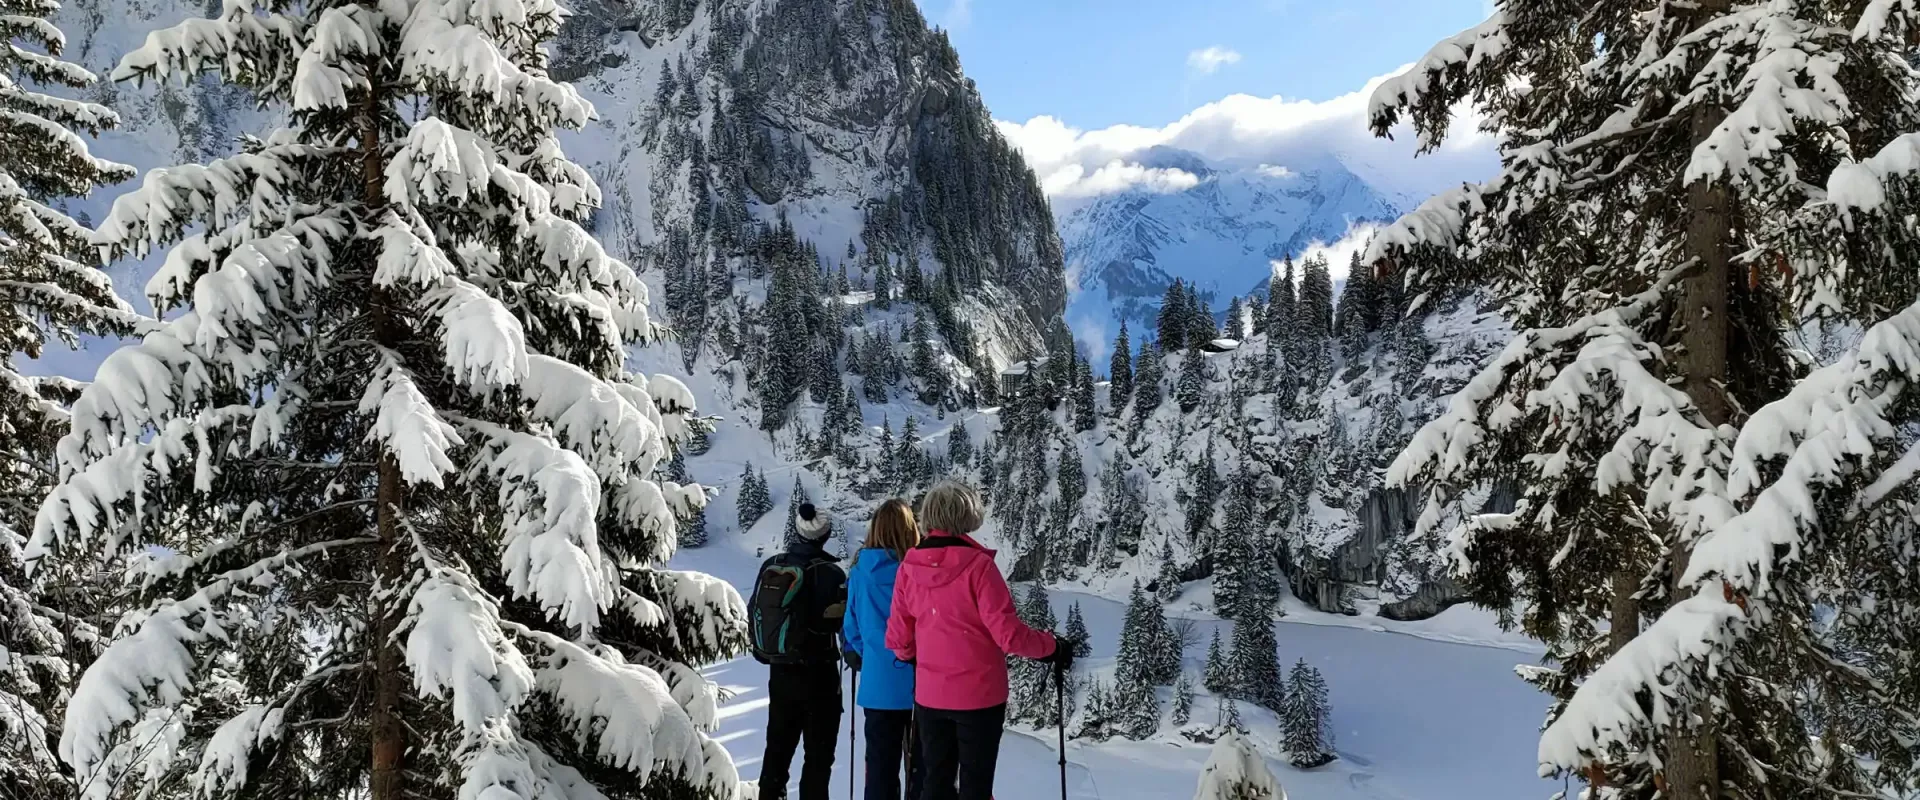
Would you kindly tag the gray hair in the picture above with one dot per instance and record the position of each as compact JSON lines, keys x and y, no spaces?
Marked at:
{"x":951,"y":507}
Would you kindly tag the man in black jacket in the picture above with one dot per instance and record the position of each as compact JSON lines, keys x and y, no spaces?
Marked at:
{"x":804,"y":697}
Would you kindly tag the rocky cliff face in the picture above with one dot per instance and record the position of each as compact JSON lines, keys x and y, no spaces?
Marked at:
{"x":847,"y":120}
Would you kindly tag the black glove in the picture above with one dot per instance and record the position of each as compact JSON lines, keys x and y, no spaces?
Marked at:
{"x":1062,"y":656}
{"x":852,"y":657}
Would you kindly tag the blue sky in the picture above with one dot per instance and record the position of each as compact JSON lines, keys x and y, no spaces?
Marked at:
{"x":1098,"y":63}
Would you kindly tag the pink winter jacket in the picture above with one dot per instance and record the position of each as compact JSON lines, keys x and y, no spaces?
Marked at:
{"x":953,"y":617}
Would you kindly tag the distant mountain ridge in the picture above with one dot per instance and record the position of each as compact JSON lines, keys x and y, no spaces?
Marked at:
{"x":1221,"y":234}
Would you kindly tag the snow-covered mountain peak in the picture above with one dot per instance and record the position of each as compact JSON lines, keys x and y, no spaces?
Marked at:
{"x":1221,"y":234}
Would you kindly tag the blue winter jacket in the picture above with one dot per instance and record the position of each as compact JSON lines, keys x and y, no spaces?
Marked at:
{"x":885,"y":682}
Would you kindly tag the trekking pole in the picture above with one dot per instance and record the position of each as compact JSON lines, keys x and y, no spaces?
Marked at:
{"x":911,"y":728}
{"x":1060,"y":716}
{"x":853,"y":734}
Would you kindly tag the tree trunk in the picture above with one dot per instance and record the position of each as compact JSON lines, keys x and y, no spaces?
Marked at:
{"x":1693,"y":745}
{"x":1623,"y":615}
{"x":389,"y":734}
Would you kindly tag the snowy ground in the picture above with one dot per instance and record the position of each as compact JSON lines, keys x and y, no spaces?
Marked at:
{"x":1416,"y":718}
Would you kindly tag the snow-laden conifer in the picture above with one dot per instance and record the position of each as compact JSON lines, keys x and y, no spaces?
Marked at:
{"x":1120,"y":372}
{"x":47,"y":290}
{"x":1253,"y":668}
{"x":1182,"y":701}
{"x":1217,"y":676}
{"x":381,"y":482}
{"x":1076,"y":631}
{"x":1721,"y":522}
{"x":1306,"y":718}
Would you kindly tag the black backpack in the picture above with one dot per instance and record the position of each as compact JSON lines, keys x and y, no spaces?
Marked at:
{"x":777,"y":627}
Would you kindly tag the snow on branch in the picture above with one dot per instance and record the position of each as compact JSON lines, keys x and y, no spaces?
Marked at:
{"x":1829,"y":431}
{"x":1831,"y":428}
{"x":1440,"y":221}
{"x":641,"y":505}
{"x":551,"y":500}
{"x":328,"y":69}
{"x":485,"y":345}
{"x":1789,"y":89}
{"x":87,"y":501}
{"x":196,"y":45}
{"x":170,"y":199}
{"x":1590,"y":374}
{"x":623,"y":713}
{"x":1884,"y":18}
{"x":1432,"y":79}
{"x":458,"y":652}
{"x":408,"y":255}
{"x":439,"y":46}
{"x":153,"y":666}
{"x":1861,"y":186}
{"x":713,"y":604}
{"x":506,"y":767}
{"x":594,"y":419}
{"x":438,"y":163}
{"x":406,"y":424}
{"x":223,"y":763}
{"x":302,"y":251}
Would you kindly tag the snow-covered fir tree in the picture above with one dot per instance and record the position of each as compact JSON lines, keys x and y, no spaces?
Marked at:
{"x":1195,"y":373}
{"x":47,"y":291}
{"x":1182,"y":700}
{"x":692,"y":523}
{"x":753,"y":502}
{"x":1253,"y":667}
{"x":1076,"y":631}
{"x":1085,"y":414}
{"x":1142,"y":640}
{"x":1205,"y":493}
{"x":1313,"y":323}
{"x":1702,"y":534}
{"x":381,"y":484}
{"x":959,"y":446}
{"x":796,"y":497}
{"x":1171,"y":323}
{"x":1306,"y":718}
{"x":1030,"y":682}
{"x":1167,"y":583}
{"x":1230,"y":717}
{"x":1217,"y":676}
{"x":1120,"y":372}
{"x":1236,"y":771}
{"x":1235,"y":327}
{"x":1148,"y":372}
{"x":1096,"y":720}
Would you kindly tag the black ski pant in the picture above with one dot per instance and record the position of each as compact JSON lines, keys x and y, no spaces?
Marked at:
{"x":963,"y":745}
{"x":890,"y":738}
{"x":803,"y":705}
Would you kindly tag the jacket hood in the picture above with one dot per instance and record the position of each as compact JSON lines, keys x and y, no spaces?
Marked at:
{"x":874,"y":559}
{"x":943,"y":558}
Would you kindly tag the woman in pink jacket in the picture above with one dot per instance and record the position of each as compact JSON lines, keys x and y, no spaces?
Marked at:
{"x":953,"y":619}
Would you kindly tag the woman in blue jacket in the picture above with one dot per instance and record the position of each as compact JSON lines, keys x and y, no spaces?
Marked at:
{"x":886,"y":686}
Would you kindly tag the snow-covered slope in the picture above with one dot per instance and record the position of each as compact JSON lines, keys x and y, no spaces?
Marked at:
{"x":1220,"y":233}
{"x":1414,"y":718}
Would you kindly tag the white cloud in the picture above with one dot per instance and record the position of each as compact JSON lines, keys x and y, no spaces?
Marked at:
{"x":1210,"y":60}
{"x":1246,"y":132}
{"x":1340,"y":254}
{"x":1275,"y":171}
{"x":1073,"y":181}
